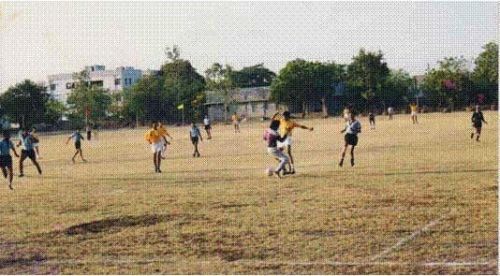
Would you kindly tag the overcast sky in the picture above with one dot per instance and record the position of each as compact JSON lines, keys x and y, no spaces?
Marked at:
{"x":38,"y":39}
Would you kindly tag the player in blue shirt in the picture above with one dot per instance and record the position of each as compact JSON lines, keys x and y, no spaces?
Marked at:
{"x":6,"y":146}
{"x":194,"y":135}
{"x":28,"y":151}
{"x":77,"y":138}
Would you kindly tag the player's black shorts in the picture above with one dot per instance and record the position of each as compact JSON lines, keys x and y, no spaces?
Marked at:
{"x":478,"y":124}
{"x":5,"y":161}
{"x":78,"y":145}
{"x":351,"y":139}
{"x":194,"y":140}
{"x":207,"y":127}
{"x":28,"y":153}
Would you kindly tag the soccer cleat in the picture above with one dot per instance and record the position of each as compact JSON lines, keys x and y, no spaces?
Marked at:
{"x":21,"y":175}
{"x":472,"y":136}
{"x":10,"y":187}
{"x":277,"y":173}
{"x":352,"y":162}
{"x":341,"y":163}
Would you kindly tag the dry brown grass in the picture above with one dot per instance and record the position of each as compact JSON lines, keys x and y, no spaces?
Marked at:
{"x":221,"y":214}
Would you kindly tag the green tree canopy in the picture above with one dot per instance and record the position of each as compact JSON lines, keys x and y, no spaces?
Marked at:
{"x":447,"y":85}
{"x":485,"y":74}
{"x":253,"y":76}
{"x":367,"y":74}
{"x":25,"y":103}
{"x":88,"y":98}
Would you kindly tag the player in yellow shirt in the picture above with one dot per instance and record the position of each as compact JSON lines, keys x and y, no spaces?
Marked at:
{"x":162,"y":130}
{"x":413,"y":108}
{"x":155,"y":140}
{"x":286,"y":127}
{"x":236,"y":122}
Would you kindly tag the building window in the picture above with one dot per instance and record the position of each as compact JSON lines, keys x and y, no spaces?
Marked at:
{"x":117,"y":81}
{"x":70,"y":85}
{"x":53,"y":87}
{"x":98,"y":83}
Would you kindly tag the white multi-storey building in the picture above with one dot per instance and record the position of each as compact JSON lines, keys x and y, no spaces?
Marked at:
{"x":60,"y":85}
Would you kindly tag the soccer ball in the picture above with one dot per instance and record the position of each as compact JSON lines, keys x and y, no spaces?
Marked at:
{"x":269,"y":171}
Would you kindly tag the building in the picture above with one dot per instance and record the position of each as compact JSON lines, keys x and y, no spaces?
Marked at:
{"x":60,"y":85}
{"x":250,"y":102}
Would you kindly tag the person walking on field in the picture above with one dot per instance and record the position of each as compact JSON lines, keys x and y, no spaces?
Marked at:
{"x":6,"y":146}
{"x":272,"y":137}
{"x":88,"y":130}
{"x":477,"y":122}
{"x":195,"y":136}
{"x":371,"y":117}
{"x":208,"y":127}
{"x":77,"y":139}
{"x":28,"y":151}
{"x":154,"y":139}
{"x":286,"y":127}
{"x":414,"y":111}
{"x":162,"y":130}
{"x":353,"y":127}
{"x":390,"y":112}
{"x":236,"y":122}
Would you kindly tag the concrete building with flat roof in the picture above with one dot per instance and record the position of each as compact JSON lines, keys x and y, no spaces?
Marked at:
{"x":60,"y":85}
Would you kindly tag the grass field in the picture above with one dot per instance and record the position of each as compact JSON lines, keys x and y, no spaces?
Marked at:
{"x":421,"y":199}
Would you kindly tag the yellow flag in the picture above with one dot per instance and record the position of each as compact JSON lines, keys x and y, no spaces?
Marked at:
{"x":181,"y":106}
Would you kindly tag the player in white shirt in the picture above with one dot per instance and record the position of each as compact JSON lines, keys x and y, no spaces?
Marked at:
{"x":353,"y":127}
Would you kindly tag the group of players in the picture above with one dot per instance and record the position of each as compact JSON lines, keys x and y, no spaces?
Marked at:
{"x":278,"y":138}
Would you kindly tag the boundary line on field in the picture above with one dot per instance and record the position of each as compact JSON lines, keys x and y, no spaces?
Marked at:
{"x":407,"y":239}
{"x":253,"y":262}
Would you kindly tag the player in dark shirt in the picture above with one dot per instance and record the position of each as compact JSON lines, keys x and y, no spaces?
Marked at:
{"x":477,"y":122}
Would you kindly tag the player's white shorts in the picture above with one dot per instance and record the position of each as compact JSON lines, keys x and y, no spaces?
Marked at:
{"x":413,"y":113}
{"x":286,"y":142}
{"x":157,"y":147}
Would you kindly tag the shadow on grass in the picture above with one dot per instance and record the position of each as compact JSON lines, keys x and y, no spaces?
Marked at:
{"x":116,"y":224}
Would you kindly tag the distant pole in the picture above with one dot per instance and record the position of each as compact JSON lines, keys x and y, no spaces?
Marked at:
{"x":182,"y":115}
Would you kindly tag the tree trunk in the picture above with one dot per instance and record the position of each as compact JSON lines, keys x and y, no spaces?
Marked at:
{"x":304,"y":109}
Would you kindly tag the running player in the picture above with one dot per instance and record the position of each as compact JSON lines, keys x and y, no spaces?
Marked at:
{"x":27,"y":152}
{"x":36,"y":141}
{"x":414,"y":111}
{"x":155,"y":140}
{"x":353,"y":127}
{"x":477,"y":122}
{"x":195,"y":135}
{"x":272,"y":137}
{"x":77,"y":139}
{"x":164,"y":134}
{"x":208,"y":127}
{"x":6,"y":146}
{"x":286,"y":127}
{"x":236,"y":122}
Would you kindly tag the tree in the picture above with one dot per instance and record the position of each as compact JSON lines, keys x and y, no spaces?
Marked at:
{"x":449,"y":83}
{"x":294,"y":85}
{"x":366,"y":75}
{"x":54,"y":110}
{"x":325,"y":76}
{"x":396,"y":87}
{"x":182,"y":85}
{"x":87,"y":99}
{"x":146,"y":99}
{"x":485,"y":74}
{"x":219,"y":80}
{"x":25,"y":103}
{"x":253,"y":76}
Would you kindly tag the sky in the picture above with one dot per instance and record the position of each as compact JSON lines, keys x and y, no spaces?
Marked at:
{"x":43,"y":38}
